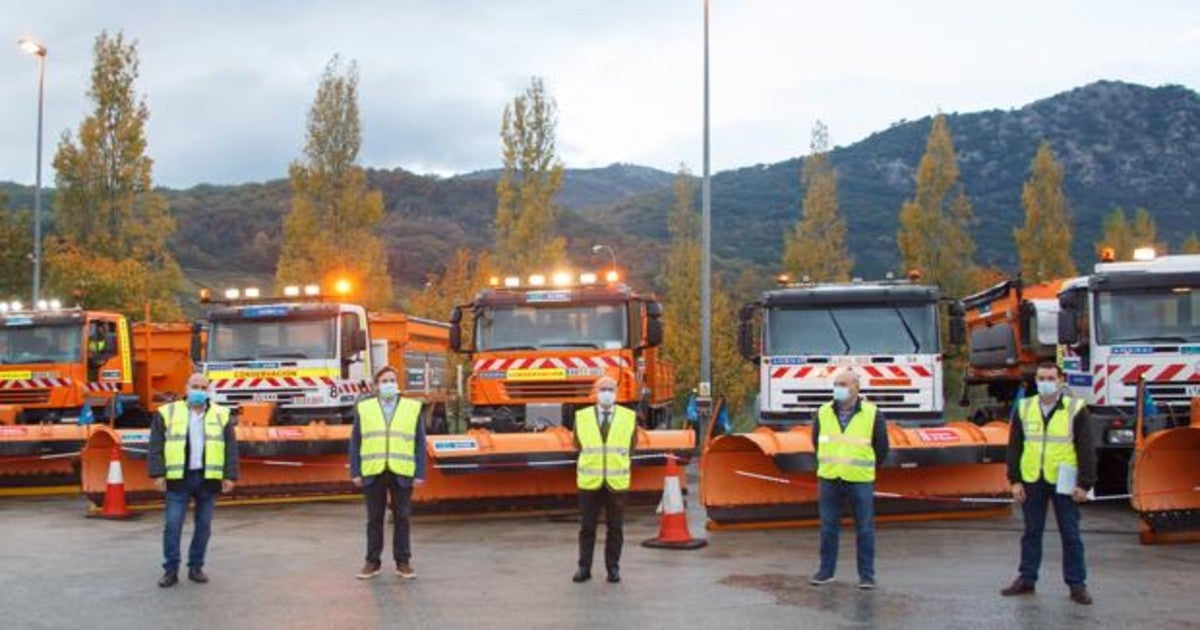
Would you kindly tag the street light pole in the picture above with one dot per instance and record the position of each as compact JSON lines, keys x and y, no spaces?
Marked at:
{"x":39,"y":51}
{"x":596,"y":249}
{"x":705,"y":388}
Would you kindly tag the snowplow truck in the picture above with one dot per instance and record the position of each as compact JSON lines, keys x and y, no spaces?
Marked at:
{"x":1130,"y":323}
{"x":1010,"y":328}
{"x":535,"y":350}
{"x":291,"y":368}
{"x":888,"y":332}
{"x":64,"y":373}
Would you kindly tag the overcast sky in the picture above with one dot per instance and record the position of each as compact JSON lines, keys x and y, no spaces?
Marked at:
{"x":229,"y":82}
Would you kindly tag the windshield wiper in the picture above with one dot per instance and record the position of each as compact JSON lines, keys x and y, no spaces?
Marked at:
{"x":907,"y":329}
{"x":285,"y":355}
{"x":842,"y":335}
{"x":1166,"y":338}
{"x":568,"y":344}
{"x":233,"y":359}
{"x":505,"y":348}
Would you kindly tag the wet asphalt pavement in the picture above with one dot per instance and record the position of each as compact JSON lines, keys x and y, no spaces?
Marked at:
{"x":292,"y":566}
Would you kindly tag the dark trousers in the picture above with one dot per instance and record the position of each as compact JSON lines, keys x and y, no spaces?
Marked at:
{"x":590,"y":503}
{"x":1038,"y":496}
{"x":833,"y":493}
{"x":179,"y":493}
{"x":376,"y":491}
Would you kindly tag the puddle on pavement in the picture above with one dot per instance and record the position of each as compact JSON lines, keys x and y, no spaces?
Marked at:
{"x":840,"y":598}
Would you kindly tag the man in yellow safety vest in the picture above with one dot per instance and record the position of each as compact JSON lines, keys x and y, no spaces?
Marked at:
{"x":850,"y":439}
{"x":1049,"y":437}
{"x":605,"y":436}
{"x":192,"y":456}
{"x":387,"y":456}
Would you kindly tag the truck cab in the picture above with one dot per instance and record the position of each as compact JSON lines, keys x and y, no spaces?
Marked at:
{"x":309,"y":357}
{"x":802,"y":335}
{"x":60,"y":364}
{"x":1131,"y":321}
{"x":536,"y":351}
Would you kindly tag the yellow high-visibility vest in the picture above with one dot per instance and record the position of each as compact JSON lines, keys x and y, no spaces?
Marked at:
{"x":1048,"y":445}
{"x":388,"y":444}
{"x":177,"y":415}
{"x":604,"y":461}
{"x":846,"y":455}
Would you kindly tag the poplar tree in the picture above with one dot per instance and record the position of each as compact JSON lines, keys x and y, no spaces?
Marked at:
{"x":1191,"y":244}
{"x":934,"y":236}
{"x":332,"y":231}
{"x":16,"y":233}
{"x":1044,"y":242}
{"x":525,"y":230}
{"x":816,"y":247}
{"x":681,"y":282}
{"x":110,"y":247}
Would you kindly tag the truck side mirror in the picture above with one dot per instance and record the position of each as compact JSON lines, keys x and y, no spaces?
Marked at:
{"x":1068,"y":327}
{"x":746,"y":332}
{"x":456,"y":329}
{"x":1026,"y":314}
{"x":958,"y":324}
{"x":360,"y":340}
{"x":654,"y":332}
{"x":197,"y":349}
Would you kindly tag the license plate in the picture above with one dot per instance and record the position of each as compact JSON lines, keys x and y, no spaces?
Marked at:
{"x":266,"y":397}
{"x":1191,"y":391}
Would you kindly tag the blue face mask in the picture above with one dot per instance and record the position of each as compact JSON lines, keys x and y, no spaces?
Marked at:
{"x":389,"y":389}
{"x":1047,"y":388}
{"x":841,"y":393}
{"x":197,"y":397}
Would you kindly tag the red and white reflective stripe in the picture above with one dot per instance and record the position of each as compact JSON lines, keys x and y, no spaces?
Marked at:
{"x":1170,"y":372}
{"x":565,"y":363}
{"x":272,"y":381}
{"x":34,"y":383}
{"x":103,"y":387}
{"x":883,"y":371}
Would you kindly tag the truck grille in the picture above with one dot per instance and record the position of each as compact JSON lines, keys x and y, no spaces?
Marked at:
{"x":1169,"y":393}
{"x":278,"y":396}
{"x":24,"y":396}
{"x":547,"y":391}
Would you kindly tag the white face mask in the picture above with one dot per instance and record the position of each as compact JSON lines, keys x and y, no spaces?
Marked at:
{"x":1047,"y":388}
{"x":607,"y":397}
{"x":389,"y":389}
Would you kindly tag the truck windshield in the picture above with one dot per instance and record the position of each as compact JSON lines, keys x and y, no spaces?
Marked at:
{"x":258,"y":339}
{"x":842,"y":330}
{"x":1159,"y":315}
{"x":41,"y":343}
{"x":544,"y":326}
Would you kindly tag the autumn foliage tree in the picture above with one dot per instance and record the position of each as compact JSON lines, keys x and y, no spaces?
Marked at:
{"x":332,"y":231}
{"x":934,"y":235}
{"x":525,"y":231}
{"x":816,"y":247}
{"x":1191,"y":244}
{"x":112,"y":227}
{"x":15,"y":233}
{"x":1044,"y":242}
{"x":731,"y":375}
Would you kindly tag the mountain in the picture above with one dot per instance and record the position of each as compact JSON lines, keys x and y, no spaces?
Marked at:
{"x":1120,"y":145}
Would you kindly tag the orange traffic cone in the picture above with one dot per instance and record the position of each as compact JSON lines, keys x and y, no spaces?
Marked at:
{"x":114,"y":492}
{"x":673,"y":530}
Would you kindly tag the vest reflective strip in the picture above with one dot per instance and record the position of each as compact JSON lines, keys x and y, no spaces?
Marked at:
{"x":848,"y":461}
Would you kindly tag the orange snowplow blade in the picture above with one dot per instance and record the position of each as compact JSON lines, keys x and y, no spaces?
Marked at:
{"x":472,"y":472}
{"x":40,"y":459}
{"x":1166,"y":485}
{"x":768,"y":478}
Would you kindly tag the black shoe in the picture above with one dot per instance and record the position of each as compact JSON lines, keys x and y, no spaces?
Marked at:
{"x":1018,"y":587}
{"x":819,"y":579}
{"x":1079,"y":595}
{"x":581,"y":575}
{"x":196,"y":574}
{"x":168,"y":579}
{"x":866,"y":584}
{"x":614,"y":576}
